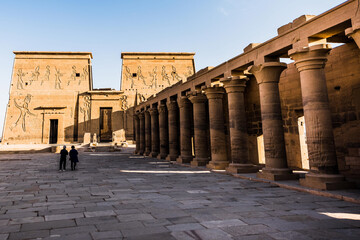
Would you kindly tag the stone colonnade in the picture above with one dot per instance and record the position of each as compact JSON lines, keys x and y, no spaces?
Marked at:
{"x":191,"y":129}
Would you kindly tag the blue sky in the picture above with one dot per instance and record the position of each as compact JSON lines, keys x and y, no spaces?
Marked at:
{"x":215,"y":30}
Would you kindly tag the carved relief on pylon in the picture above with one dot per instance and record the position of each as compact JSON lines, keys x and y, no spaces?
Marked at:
{"x":47,"y":75}
{"x":35,"y":75}
{"x":58,"y":76}
{"x":153,"y":75}
{"x":24,"y":110}
{"x":175,"y":76}
{"x":128,"y":76}
{"x":85,"y":110}
{"x":165,"y":77}
{"x":20,"y":81}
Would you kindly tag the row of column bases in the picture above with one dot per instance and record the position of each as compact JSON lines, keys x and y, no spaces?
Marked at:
{"x":159,"y":134}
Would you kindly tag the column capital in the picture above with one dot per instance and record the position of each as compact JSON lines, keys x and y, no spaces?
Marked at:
{"x":196,"y":97}
{"x":354,"y":33}
{"x":141,"y":115}
{"x":183,"y":101}
{"x":268,"y":72}
{"x":147,"y":111}
{"x":312,"y":57}
{"x":215,"y":92}
{"x":234,"y":84}
{"x":136,"y":114}
{"x":172,"y":105}
{"x":162,"y":108}
{"x":153,"y":111}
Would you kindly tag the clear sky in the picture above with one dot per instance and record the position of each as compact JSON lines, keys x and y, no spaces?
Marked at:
{"x":216,"y":30}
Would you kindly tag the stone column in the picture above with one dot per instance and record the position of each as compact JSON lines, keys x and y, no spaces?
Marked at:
{"x":235,"y":87}
{"x":185,"y":131}
{"x":310,"y":62}
{"x":163,"y":132}
{"x":137,"y":132}
{"x":267,"y":76}
{"x":147,"y":133}
{"x":201,"y":147}
{"x":217,"y":128}
{"x":142,"y":133}
{"x":173,"y":131}
{"x":155,"y":141}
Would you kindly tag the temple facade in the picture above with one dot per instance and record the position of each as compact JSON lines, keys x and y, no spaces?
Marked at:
{"x":254,"y":113}
{"x":52,"y":99}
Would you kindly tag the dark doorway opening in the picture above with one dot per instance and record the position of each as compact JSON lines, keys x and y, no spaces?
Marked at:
{"x":105,"y":125}
{"x":53,"y":131}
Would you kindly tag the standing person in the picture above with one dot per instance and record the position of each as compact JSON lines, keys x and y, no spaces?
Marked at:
{"x":63,"y":154}
{"x":73,"y":157}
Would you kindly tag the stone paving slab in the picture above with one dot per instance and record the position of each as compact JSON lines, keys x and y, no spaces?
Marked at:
{"x":120,"y":196}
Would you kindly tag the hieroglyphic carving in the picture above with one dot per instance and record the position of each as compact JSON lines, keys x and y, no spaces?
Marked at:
{"x":73,"y":75}
{"x":85,"y":75}
{"x":124,"y":103}
{"x":164,"y":75}
{"x":154,"y":79}
{"x":35,"y":75}
{"x":24,"y":109}
{"x":85,"y":110}
{"x":174,"y":75}
{"x":47,"y":75}
{"x":20,"y":81}
{"x":129,"y":76}
{"x":58,"y":76}
{"x":140,"y":75}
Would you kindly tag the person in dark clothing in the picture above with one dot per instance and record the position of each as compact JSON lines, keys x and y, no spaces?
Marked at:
{"x":63,"y":154}
{"x":73,"y":157}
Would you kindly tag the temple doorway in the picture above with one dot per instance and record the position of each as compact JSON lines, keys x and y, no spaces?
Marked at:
{"x":53,"y":136}
{"x":105,"y":125}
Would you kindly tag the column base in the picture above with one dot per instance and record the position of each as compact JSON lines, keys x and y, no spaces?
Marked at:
{"x":171,"y":158}
{"x":147,"y":153}
{"x":235,"y":168}
{"x":199,"y":162}
{"x":162,"y":156}
{"x":326,"y":181}
{"x":217,"y":165}
{"x":277,"y":174}
{"x":140,"y":152}
{"x":184,"y":159}
{"x":153,"y":154}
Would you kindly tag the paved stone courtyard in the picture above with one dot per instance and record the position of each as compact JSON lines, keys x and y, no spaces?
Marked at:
{"x":120,"y":196}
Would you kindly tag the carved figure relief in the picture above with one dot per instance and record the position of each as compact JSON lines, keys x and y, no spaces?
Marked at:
{"x":124,"y":103}
{"x":164,"y":75}
{"x":47,"y":75}
{"x":189,"y":72}
{"x":58,"y":76}
{"x":24,"y":110}
{"x":128,"y":76}
{"x":85,"y":75}
{"x":20,"y":74}
{"x":85,"y":110}
{"x":154,"y":79}
{"x":141,"y":98}
{"x":35,"y":75}
{"x":174,"y":75}
{"x":140,"y":75}
{"x":73,"y":75}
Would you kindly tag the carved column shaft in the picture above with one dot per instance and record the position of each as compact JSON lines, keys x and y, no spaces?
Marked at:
{"x":137,"y":132}
{"x":173,"y":131}
{"x":155,"y":140}
{"x":163,"y":132}
{"x":142,"y":133}
{"x":147,"y":133}
{"x":185,"y":130}
{"x":310,"y":62}
{"x":267,"y":76}
{"x":217,"y":128}
{"x":201,"y":147}
{"x":235,"y":88}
